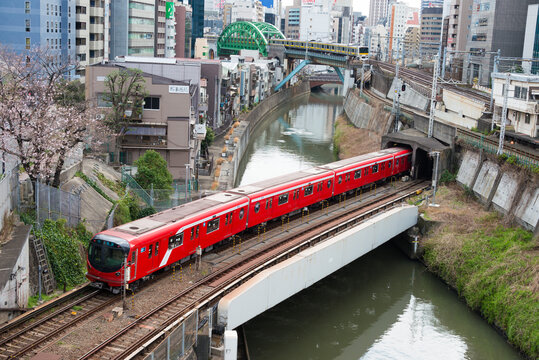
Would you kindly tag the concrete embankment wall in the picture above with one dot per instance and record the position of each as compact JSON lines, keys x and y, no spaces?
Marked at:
{"x":370,"y":116}
{"x":247,"y":125}
{"x":503,"y":188}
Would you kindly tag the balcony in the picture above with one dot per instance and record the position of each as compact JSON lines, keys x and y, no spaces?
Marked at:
{"x":96,"y":45}
{"x":145,"y":142}
{"x":96,"y":11}
{"x":96,"y":28}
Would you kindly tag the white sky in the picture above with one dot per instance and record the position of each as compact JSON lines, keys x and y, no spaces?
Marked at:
{"x":363,"y":5}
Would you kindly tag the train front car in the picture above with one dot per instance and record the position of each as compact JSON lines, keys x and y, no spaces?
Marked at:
{"x":107,"y":255}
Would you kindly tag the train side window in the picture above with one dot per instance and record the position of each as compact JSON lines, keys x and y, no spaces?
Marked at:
{"x":156,"y":248}
{"x":212,"y":225}
{"x":382,"y":166}
{"x":397,"y":162}
{"x":340,"y":179}
{"x":257,"y":207}
{"x":192,"y":233}
{"x":174,"y":241}
{"x":329,"y":184}
{"x":230,"y":218}
{"x":389,"y":164}
{"x":375,"y":168}
{"x":150,"y":251}
{"x":348,"y":177}
{"x":283,"y":199}
{"x":357,"y":174}
{"x":198,"y":226}
{"x":226,"y":219}
{"x":365,"y":171}
{"x":241,"y":213}
{"x":308,"y":190}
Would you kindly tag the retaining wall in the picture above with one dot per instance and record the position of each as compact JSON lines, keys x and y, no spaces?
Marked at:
{"x":248,"y":123}
{"x":504,"y":189}
{"x":370,"y":116}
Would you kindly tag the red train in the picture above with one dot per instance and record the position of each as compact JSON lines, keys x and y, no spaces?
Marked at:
{"x":173,"y":235}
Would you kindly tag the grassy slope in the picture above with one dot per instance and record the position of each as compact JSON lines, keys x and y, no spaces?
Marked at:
{"x":495,"y":268}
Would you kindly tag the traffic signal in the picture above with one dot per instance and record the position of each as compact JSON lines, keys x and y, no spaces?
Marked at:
{"x":403,"y":88}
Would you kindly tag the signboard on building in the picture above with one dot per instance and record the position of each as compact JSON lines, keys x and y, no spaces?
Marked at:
{"x":178,"y":89}
{"x":169,"y":10}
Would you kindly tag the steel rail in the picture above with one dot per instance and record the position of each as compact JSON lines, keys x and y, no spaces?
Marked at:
{"x":246,"y":266}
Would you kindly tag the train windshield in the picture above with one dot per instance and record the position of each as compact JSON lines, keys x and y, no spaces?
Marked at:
{"x":107,"y":253}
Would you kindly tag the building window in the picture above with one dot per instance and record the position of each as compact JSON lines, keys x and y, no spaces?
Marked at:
{"x":151,"y":103}
{"x":47,"y":26}
{"x":27,"y":7}
{"x":28,"y":43}
{"x":27,"y":25}
{"x":47,"y":9}
{"x":527,"y":118}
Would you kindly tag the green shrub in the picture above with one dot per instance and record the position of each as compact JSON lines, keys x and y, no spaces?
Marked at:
{"x":447,"y":177}
{"x":94,"y":185}
{"x":152,"y":170}
{"x":122,"y":214}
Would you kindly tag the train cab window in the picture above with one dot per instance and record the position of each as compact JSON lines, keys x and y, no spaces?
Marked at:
{"x":156,"y":248}
{"x":340,"y":179}
{"x":212,"y":225}
{"x":283,"y":199}
{"x":241,"y":213}
{"x":257,"y":207}
{"x":329,"y":184}
{"x":375,"y":168}
{"x":308,"y":190}
{"x":174,"y":241}
{"x":150,"y":251}
{"x":389,"y":164}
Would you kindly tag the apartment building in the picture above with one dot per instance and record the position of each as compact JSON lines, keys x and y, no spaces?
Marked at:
{"x":242,"y":10}
{"x":460,"y":12}
{"x":183,"y":28}
{"x":378,"y":11}
{"x":39,"y":24}
{"x":292,"y":16}
{"x":168,"y":121}
{"x":92,"y":33}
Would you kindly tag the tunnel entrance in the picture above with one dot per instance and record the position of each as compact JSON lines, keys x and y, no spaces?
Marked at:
{"x":423,"y":164}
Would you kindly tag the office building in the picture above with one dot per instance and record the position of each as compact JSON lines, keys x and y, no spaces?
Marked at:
{"x":460,"y":13}
{"x":197,"y":7}
{"x":183,"y":17}
{"x":531,"y":40}
{"x":378,"y":11}
{"x":431,"y":30}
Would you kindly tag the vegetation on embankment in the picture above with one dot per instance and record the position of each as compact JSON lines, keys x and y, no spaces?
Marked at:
{"x":349,"y":141}
{"x":492,"y":266}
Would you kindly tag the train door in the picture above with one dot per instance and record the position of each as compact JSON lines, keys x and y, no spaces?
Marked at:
{"x":132,"y":264}
{"x":153,"y":255}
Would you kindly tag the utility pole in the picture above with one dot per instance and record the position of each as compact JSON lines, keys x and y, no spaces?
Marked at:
{"x":436,"y":157}
{"x":362,"y":79}
{"x":434,"y":91}
{"x":494,"y":70}
{"x":443,"y":63}
{"x":396,"y":95}
{"x":504,"y":113}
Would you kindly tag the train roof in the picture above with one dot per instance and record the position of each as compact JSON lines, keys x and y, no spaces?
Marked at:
{"x":177,"y":213}
{"x":361,"y":158}
{"x":276,"y":181}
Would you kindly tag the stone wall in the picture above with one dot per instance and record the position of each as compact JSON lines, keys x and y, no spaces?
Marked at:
{"x":370,"y":116}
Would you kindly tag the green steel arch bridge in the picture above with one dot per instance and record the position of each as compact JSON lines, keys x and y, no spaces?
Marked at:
{"x":246,"y":35}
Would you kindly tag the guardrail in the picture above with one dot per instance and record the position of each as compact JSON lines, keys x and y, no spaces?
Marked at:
{"x":480,"y":141}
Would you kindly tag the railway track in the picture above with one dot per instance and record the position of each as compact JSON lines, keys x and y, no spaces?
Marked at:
{"x":151,"y":326}
{"x":43,"y":325}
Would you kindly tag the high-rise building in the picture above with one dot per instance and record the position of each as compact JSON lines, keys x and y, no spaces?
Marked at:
{"x":459,"y":24}
{"x":242,"y":10}
{"x":39,"y":24}
{"x":431,"y":30}
{"x":133,"y":28}
{"x":160,"y":28}
{"x":183,"y":15}
{"x":411,"y":42}
{"x":198,"y":22}
{"x":431,"y":3}
{"x":378,"y":11}
{"x":315,"y":22}
{"x":531,"y":40}
{"x":291,"y":29}
{"x":498,"y":24}
{"x":399,"y":14}
{"x":92,"y":35}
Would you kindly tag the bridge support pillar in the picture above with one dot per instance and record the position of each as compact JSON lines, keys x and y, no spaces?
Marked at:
{"x":292,"y":73}
{"x":230,"y":344}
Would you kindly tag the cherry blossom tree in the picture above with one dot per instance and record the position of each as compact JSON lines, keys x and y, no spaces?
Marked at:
{"x":35,"y":126}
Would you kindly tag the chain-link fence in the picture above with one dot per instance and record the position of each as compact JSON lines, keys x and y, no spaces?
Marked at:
{"x":53,"y":203}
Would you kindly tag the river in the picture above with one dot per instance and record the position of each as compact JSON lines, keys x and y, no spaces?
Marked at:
{"x":383,"y":305}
